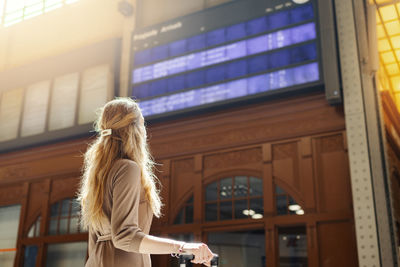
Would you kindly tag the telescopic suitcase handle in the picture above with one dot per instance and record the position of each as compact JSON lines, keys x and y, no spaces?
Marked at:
{"x":185,"y":258}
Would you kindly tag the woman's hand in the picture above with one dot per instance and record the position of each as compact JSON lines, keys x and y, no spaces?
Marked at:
{"x":202,"y":254}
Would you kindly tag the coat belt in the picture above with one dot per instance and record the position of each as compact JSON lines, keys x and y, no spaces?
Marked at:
{"x":105,"y":237}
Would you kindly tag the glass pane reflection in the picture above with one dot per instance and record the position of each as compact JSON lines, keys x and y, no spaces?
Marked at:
{"x":292,"y":246}
{"x":244,"y":248}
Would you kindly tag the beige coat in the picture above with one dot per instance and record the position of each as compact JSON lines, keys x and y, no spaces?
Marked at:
{"x":129,"y":218}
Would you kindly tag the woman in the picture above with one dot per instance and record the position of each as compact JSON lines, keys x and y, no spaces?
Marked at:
{"x":119,"y":196}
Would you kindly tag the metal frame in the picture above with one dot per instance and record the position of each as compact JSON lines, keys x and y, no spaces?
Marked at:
{"x":372,"y":207}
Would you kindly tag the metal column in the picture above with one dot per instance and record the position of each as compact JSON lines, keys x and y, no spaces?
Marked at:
{"x":372,"y":209}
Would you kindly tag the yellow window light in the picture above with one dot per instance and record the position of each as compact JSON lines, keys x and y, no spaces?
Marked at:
{"x":393,"y":69}
{"x":395,"y":41}
{"x":383,"y":45}
{"x":378,"y":18}
{"x":396,"y":83}
{"x":380,"y":2}
{"x":397,"y":52}
{"x":380,"y":31}
{"x":388,"y":13}
{"x":393,"y":27}
{"x":398,"y":7}
{"x":388,"y":57}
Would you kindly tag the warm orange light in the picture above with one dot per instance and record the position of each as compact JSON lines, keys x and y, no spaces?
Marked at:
{"x":383,"y":45}
{"x":380,"y":31}
{"x":392,"y":69}
{"x":396,"y":83}
{"x":388,"y":12}
{"x":388,"y":57}
{"x":395,"y":42}
{"x":393,"y":27}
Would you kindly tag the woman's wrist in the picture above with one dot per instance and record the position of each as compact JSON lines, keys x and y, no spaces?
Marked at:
{"x":178,"y":248}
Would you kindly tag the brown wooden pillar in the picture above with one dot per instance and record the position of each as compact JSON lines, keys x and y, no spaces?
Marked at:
{"x":19,"y":256}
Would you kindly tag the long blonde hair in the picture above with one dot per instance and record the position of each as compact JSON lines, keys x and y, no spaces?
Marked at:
{"x":128,"y":140}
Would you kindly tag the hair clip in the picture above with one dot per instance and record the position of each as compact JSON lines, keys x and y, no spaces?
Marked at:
{"x":106,"y":132}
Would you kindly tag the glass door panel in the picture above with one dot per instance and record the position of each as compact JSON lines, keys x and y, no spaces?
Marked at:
{"x":239,"y":248}
{"x":292,"y":246}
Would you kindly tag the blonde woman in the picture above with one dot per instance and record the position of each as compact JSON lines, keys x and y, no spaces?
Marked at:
{"x":119,"y":196}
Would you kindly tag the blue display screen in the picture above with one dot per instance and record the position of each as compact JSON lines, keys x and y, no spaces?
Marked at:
{"x":225,"y":91}
{"x":263,"y":54}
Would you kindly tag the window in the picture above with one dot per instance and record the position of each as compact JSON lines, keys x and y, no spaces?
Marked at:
{"x":34,"y":230}
{"x":185,"y":215}
{"x":238,"y":197}
{"x":9,"y":221}
{"x":64,"y":217}
{"x":292,"y":246}
{"x":14,"y":11}
{"x":285,"y":204}
{"x":66,"y":254}
{"x":30,"y":255}
{"x":241,"y":248}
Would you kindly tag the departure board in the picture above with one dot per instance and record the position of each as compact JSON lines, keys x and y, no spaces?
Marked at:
{"x":259,"y":50}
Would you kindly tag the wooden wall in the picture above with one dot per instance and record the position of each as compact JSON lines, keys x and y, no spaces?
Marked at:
{"x":297,"y":143}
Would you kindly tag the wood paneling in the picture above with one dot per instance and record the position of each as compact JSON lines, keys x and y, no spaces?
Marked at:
{"x":337,"y":246}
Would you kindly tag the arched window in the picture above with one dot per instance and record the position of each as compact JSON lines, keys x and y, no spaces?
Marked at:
{"x":285,"y":203}
{"x":238,"y":197}
{"x":34,"y":230}
{"x":185,"y":215}
{"x":64,"y":217}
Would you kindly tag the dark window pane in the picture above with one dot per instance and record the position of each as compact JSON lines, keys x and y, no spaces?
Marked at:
{"x":281,"y":205}
{"x":226,"y":188}
{"x":179,"y":218}
{"x":54,"y":210}
{"x":245,"y":248}
{"x":53,"y":227}
{"x":75,"y":209}
{"x":190,"y":200}
{"x":30,"y":256}
{"x":240,"y":187}
{"x":63,"y":226}
{"x":256,"y":186}
{"x":211,"y":212}
{"x":241,"y":210}
{"x":292,"y":246}
{"x":65,"y":207}
{"x":225,"y":210}
{"x":211,"y":192}
{"x":257,"y":205}
{"x":189,"y":214}
{"x":279,"y":190}
{"x":74,"y":225}
{"x":66,"y":254}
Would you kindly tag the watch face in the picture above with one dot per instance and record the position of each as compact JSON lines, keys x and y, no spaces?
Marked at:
{"x":300,"y":1}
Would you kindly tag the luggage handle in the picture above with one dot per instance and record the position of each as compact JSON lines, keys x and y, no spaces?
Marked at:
{"x":185,"y":258}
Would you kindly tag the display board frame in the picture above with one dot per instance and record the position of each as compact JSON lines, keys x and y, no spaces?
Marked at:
{"x":182,"y":27}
